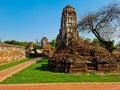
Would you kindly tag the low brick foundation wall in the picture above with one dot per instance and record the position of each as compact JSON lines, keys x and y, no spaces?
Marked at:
{"x":9,"y":53}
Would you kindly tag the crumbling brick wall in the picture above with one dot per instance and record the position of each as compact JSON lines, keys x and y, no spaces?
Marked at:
{"x":10,"y":53}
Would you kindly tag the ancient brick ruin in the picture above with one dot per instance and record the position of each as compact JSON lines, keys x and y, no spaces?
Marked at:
{"x":9,"y":53}
{"x":44,"y":50}
{"x":68,"y":31}
{"x":46,"y":47}
{"x":30,"y":52}
{"x":75,"y":56}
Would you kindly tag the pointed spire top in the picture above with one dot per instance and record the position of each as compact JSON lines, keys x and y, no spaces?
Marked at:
{"x":69,"y":6}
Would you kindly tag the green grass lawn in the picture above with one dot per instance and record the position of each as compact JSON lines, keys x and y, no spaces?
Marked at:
{"x":38,"y":73}
{"x":5,"y":66}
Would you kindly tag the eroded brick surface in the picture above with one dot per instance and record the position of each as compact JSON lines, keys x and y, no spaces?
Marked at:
{"x":10,"y":53}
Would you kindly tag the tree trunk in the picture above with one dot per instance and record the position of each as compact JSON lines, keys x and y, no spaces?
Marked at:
{"x":108,"y":45}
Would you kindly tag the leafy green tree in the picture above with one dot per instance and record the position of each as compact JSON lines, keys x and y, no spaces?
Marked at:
{"x":81,"y":38}
{"x":36,"y":46}
{"x":88,"y":39}
{"x":0,"y":41}
{"x":96,"y":41}
{"x":23,"y":43}
{"x":13,"y":42}
{"x":53,"y":44}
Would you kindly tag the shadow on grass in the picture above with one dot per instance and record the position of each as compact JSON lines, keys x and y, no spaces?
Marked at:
{"x":45,"y":58}
{"x":43,"y":67}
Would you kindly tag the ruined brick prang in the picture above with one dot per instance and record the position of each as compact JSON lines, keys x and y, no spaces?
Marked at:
{"x":10,"y":53}
{"x":68,"y":31}
{"x":45,"y":44}
{"x":46,"y":47}
{"x":75,"y":56}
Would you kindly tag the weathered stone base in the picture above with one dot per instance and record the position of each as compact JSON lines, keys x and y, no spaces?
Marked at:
{"x":83,"y":57}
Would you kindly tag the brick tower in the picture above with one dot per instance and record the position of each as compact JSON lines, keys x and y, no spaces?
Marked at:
{"x":68,"y":31}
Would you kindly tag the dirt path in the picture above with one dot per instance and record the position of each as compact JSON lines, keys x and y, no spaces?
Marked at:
{"x":10,"y":71}
{"x":63,"y":86}
{"x":51,"y":86}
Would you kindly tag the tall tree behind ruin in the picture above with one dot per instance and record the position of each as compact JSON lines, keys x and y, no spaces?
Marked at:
{"x":104,"y":24}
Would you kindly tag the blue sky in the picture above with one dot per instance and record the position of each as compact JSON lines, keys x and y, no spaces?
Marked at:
{"x":28,"y":20}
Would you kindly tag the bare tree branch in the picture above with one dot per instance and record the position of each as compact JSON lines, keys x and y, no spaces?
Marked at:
{"x":103,"y":24}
